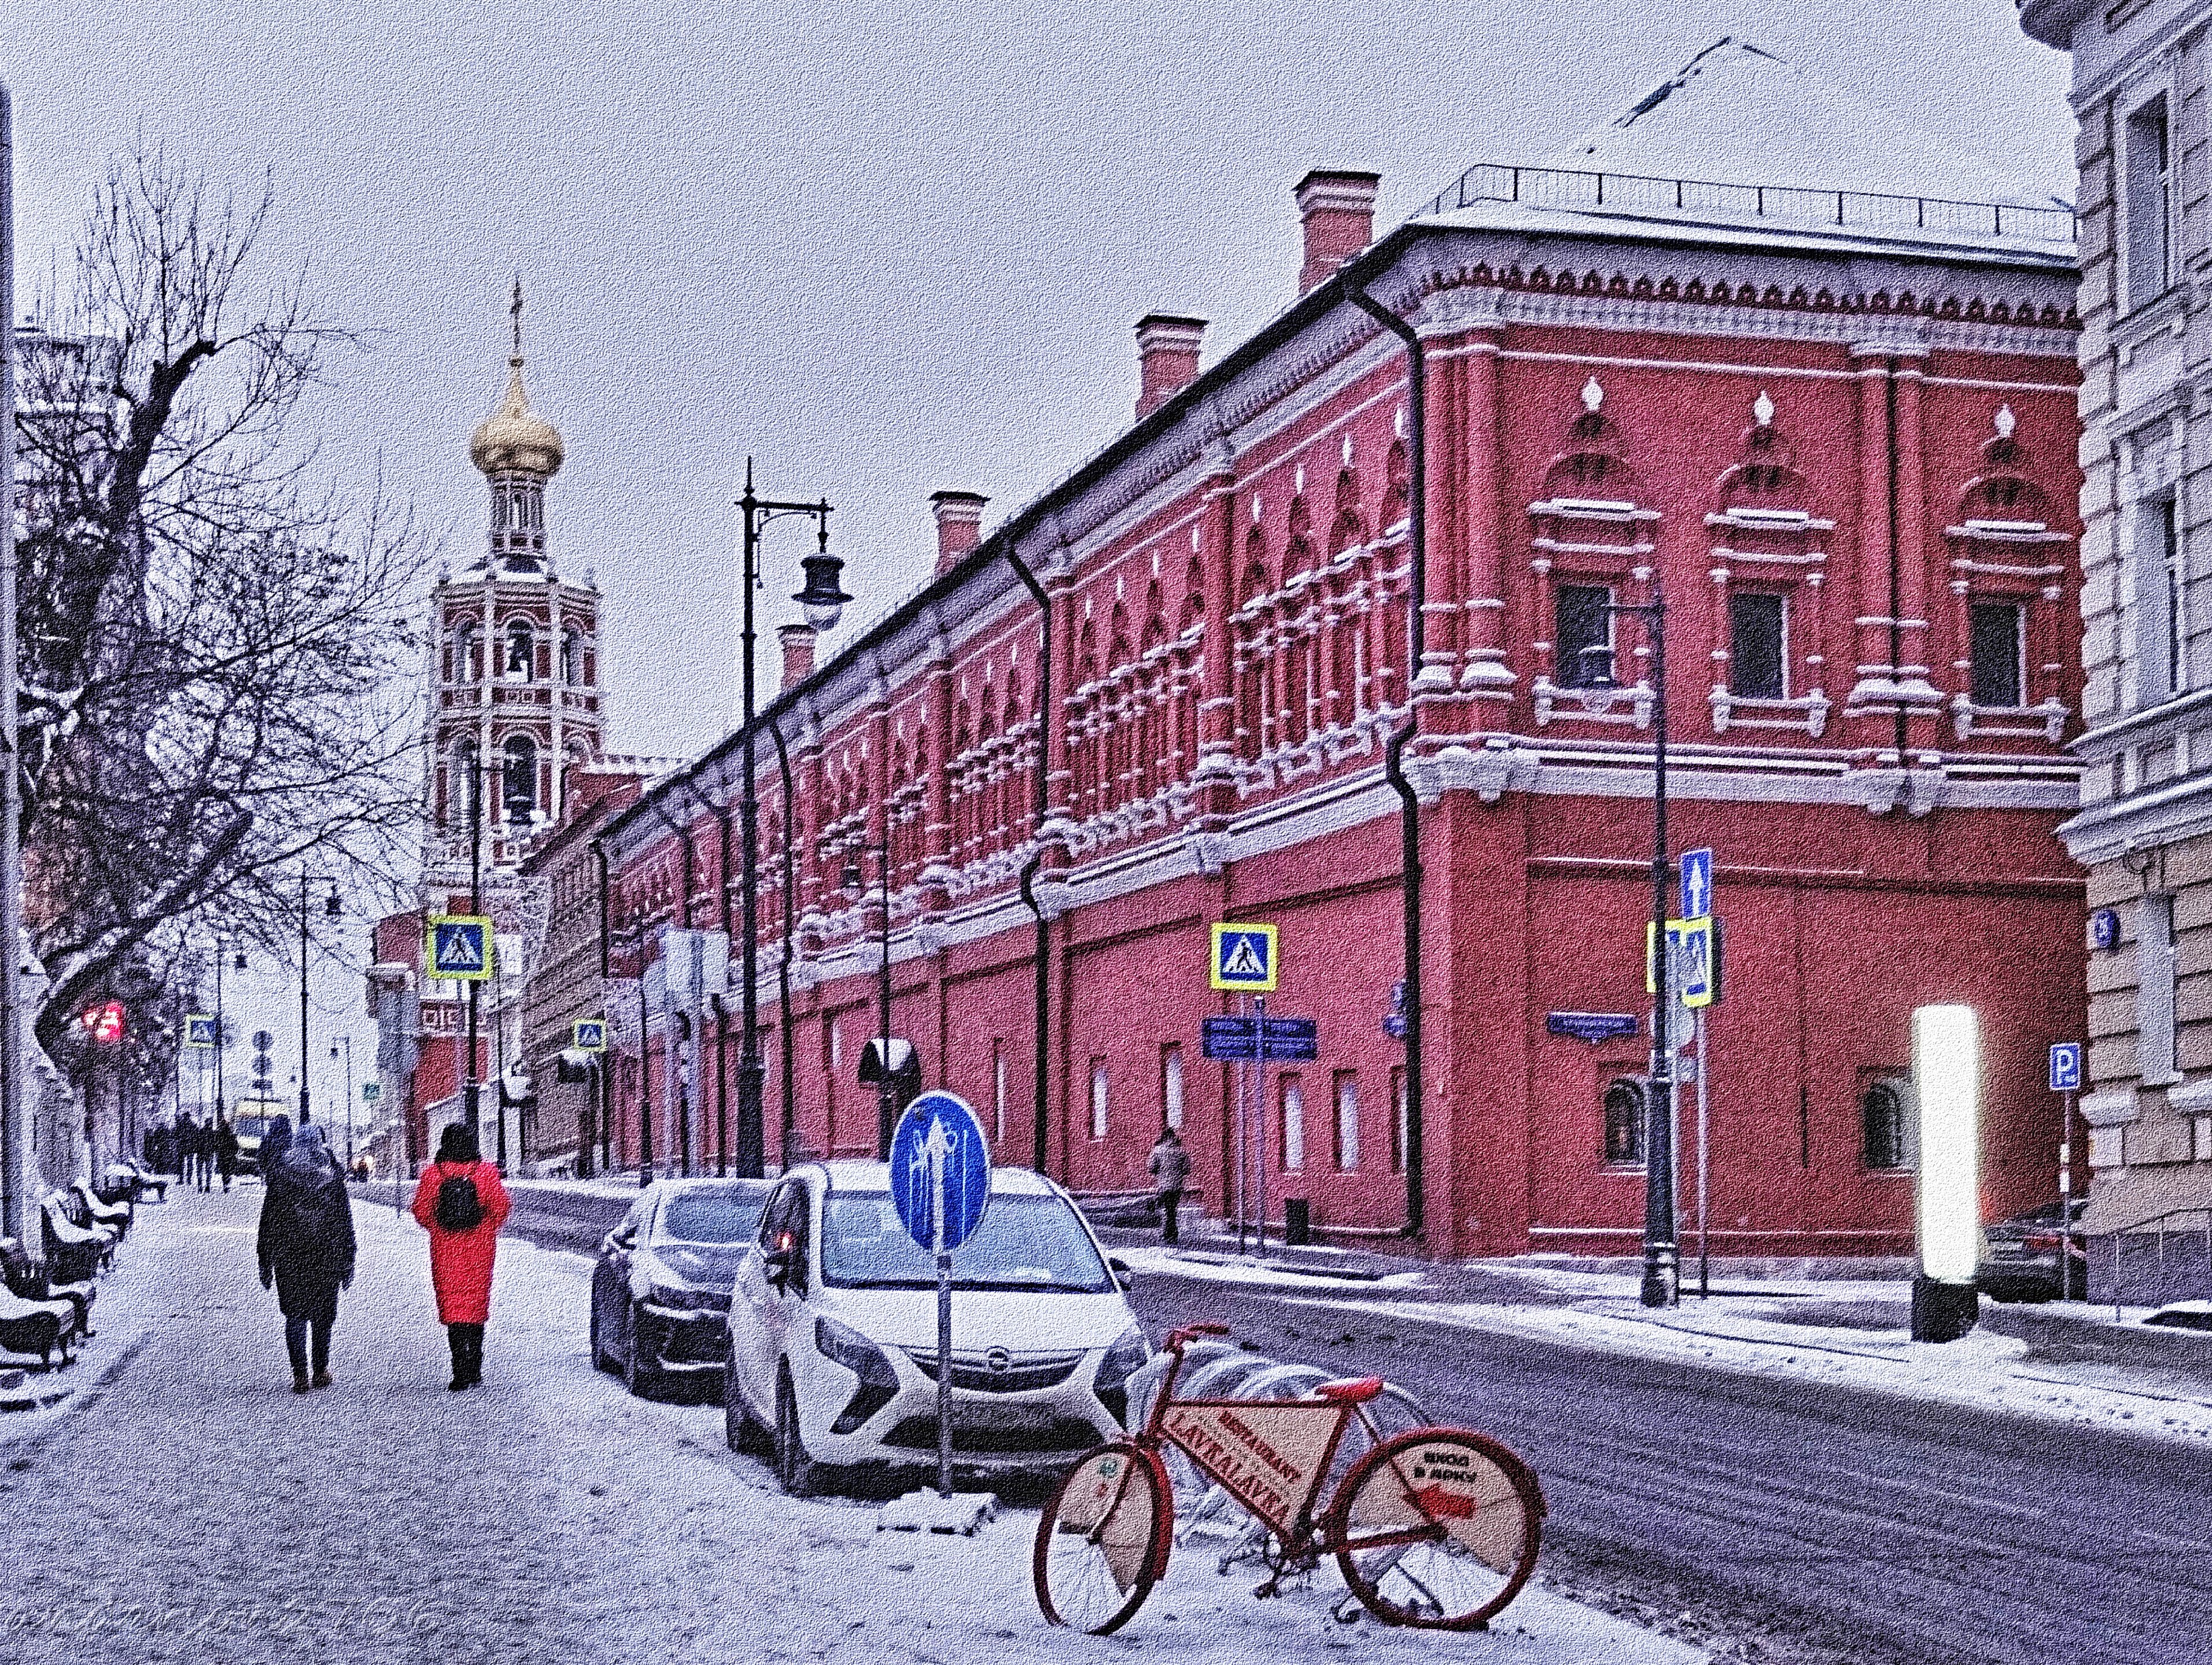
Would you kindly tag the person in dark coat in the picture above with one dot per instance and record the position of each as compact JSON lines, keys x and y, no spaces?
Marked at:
{"x":226,"y":1151}
{"x":1171,"y":1167}
{"x":187,"y":1133}
{"x":307,"y":1248}
{"x":273,"y":1143}
{"x":461,"y":1259}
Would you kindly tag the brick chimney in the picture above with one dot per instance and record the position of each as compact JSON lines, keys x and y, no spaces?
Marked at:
{"x":1167,"y":358}
{"x":959,"y":525}
{"x":1337,"y":209}
{"x":797,"y":642}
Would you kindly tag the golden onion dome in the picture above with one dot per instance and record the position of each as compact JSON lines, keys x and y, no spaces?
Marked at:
{"x":514,"y":438}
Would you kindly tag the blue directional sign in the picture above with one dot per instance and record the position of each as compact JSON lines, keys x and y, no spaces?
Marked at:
{"x":200,"y":1030}
{"x":1229,"y":1040}
{"x":460,"y":946}
{"x":1243,"y":959}
{"x":2066,"y":1066}
{"x":1289,"y":1040}
{"x":939,"y":1142}
{"x":1696,"y":884}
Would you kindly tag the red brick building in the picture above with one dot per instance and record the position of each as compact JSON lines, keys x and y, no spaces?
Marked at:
{"x":1832,"y":420}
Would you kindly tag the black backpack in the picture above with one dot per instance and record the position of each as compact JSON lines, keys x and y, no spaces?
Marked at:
{"x":459,"y":1208}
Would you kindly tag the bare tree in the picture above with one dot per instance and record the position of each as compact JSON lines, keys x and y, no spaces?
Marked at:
{"x":215,"y":641}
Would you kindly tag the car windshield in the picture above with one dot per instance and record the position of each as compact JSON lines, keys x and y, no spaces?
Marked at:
{"x":1024,"y":1243}
{"x":251,"y":1126}
{"x":710,"y":1217}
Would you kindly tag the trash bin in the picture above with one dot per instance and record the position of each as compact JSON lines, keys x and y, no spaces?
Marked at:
{"x":1297,"y":1221}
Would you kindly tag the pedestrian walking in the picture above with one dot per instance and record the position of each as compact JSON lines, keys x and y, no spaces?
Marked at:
{"x":306,"y":1248}
{"x":461,"y":1203}
{"x":226,"y":1151}
{"x":273,"y":1143}
{"x":1171,"y":1168}
{"x":204,"y":1153}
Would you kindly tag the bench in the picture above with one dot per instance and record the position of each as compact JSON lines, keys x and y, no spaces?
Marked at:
{"x":27,"y":1278}
{"x":73,"y":1251}
{"x":37,"y":1327}
{"x":143,"y":1180}
{"x":96,"y":1213}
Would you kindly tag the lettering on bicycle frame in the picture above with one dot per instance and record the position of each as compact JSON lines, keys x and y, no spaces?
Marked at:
{"x":1266,"y":1454}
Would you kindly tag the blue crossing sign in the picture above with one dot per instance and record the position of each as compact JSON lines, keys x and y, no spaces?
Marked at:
{"x":1243,"y":959}
{"x":591,"y":1035}
{"x":1696,"y":884}
{"x":460,"y":946}
{"x":2066,"y":1066}
{"x":939,"y":1150}
{"x":200,"y":1030}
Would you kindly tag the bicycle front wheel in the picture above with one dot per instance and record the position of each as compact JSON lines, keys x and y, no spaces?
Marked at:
{"x":1437,"y":1529}
{"x":1102,"y":1542}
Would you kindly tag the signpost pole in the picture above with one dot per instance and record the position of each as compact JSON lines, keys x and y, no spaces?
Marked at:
{"x":2066,"y":1202}
{"x":1244,"y":1132}
{"x":1260,"y":1126}
{"x":1704,"y":1159}
{"x":937,"y":1148}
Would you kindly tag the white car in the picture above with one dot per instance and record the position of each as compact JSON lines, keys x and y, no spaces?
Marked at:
{"x":833,"y":1331}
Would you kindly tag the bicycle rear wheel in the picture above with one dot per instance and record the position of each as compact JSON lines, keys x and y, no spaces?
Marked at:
{"x":1436,"y":1529}
{"x":1102,"y":1542}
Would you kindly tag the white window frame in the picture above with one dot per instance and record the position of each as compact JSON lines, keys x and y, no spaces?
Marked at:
{"x":1782,"y":598}
{"x":1292,"y":1101}
{"x":2135,"y":190}
{"x":1171,"y":1085}
{"x":1348,"y":1121}
{"x":1098,"y":1099}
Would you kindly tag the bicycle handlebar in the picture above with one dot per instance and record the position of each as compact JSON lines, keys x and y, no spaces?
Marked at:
{"x":1177,"y":1339}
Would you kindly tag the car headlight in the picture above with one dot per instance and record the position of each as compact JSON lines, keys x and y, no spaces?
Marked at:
{"x":1123,"y":1360}
{"x":880,"y":1383}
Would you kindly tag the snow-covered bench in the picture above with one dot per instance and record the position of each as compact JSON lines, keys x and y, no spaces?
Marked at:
{"x":32,"y":1281}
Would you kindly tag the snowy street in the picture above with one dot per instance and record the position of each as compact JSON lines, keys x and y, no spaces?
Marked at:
{"x":195,"y":1509}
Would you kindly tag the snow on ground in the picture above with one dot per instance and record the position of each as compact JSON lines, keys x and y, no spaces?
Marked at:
{"x":546,"y":1515}
{"x":1235,"y":1269}
{"x":1762,"y":1335}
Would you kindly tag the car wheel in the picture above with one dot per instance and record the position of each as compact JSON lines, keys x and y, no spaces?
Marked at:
{"x":800,"y":1475}
{"x":740,"y":1431}
{"x":641,"y":1380}
{"x":600,"y":1358}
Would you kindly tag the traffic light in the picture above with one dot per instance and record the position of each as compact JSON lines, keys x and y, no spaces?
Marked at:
{"x":104,"y":1021}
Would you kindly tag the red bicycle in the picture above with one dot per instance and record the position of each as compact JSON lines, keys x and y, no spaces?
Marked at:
{"x":1435,"y":1527}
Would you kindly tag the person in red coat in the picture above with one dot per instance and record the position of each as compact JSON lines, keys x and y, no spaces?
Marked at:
{"x":461,"y":1254}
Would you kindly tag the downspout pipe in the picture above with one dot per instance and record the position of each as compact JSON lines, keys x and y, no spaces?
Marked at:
{"x":721,"y":811}
{"x":1394,"y":753}
{"x":600,"y":1063}
{"x":683,"y":1101}
{"x":1041,"y":1105}
{"x":787,"y":1057}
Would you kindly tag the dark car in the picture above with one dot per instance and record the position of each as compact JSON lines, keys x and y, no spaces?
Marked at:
{"x":660,"y":1292}
{"x":2019,"y":1257}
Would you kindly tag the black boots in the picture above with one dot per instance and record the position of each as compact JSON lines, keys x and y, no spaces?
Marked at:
{"x":465,"y":1342}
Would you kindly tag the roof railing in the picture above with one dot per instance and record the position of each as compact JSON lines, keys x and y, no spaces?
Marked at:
{"x":1563,"y":187}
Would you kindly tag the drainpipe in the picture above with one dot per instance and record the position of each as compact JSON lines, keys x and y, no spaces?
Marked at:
{"x":683,"y":1099}
{"x":783,"y":966}
{"x":600,"y":1063}
{"x":1041,"y":1104}
{"x":1409,"y":812}
{"x":721,"y":814}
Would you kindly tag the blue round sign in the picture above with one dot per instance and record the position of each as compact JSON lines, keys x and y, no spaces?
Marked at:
{"x":939,"y":1132}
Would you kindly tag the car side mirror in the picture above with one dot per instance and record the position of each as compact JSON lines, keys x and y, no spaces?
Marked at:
{"x":777,"y":1263}
{"x":1123,"y":1274}
{"x":623,"y":1236}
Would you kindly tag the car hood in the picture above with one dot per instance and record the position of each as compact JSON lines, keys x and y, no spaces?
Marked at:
{"x":712,"y":1265}
{"x":1018,"y":1320}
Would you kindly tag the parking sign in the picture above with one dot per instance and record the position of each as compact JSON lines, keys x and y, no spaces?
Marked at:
{"x":2066,"y":1066}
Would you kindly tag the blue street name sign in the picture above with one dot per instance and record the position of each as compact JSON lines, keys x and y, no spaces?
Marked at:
{"x":938,"y":1129}
{"x":1289,"y":1040}
{"x":1591,"y":1026}
{"x":2066,"y":1066}
{"x":1696,"y":884}
{"x":1229,"y":1040}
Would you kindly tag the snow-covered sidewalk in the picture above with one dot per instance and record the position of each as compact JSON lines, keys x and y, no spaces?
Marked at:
{"x":198,"y":1509}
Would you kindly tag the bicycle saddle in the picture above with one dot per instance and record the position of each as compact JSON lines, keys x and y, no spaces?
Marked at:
{"x":1357,"y":1391}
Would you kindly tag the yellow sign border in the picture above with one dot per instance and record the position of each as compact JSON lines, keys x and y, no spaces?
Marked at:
{"x":430,"y":946}
{"x":576,"y":1037}
{"x":1244,"y":985}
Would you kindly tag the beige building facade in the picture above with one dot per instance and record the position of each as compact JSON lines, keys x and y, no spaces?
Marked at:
{"x":2144,"y":831}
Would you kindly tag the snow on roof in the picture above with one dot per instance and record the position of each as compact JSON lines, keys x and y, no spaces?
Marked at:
{"x":1739,"y":135}
{"x":1738,"y":114}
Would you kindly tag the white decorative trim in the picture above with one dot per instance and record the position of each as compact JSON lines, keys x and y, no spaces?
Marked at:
{"x":2110,"y":1107}
{"x":1552,"y":703}
{"x":1809,"y":711}
{"x":2046,"y":721}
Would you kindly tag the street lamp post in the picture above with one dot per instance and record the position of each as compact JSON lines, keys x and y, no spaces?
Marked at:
{"x":1662,"y":1254}
{"x":823,"y":600}
{"x":346,"y":1041}
{"x":331,"y":907}
{"x":224,"y":947}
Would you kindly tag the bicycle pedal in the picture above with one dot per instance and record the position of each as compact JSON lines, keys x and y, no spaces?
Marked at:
{"x":1346,"y":1610}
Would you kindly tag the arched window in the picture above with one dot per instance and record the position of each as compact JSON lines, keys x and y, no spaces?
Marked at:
{"x":1624,"y":1120}
{"x":1882,"y":1117}
{"x":521,"y":642}
{"x":464,"y":650}
{"x":460,"y":782}
{"x":572,"y":656}
{"x":518,"y":790}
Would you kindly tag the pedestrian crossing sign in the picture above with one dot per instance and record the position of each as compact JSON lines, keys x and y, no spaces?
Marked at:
{"x":460,"y":946}
{"x":591,"y":1035}
{"x":371,"y":1091}
{"x":1693,"y":944}
{"x":199,"y":1030}
{"x":1243,"y":959}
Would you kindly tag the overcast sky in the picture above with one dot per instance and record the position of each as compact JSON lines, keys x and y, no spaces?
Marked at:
{"x":886,"y":250}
